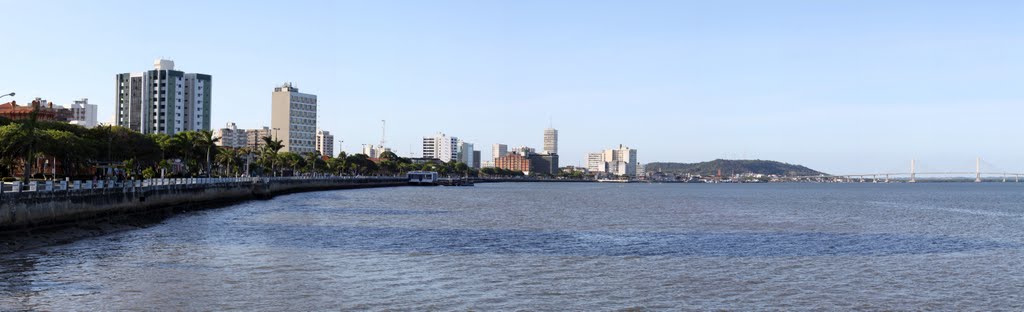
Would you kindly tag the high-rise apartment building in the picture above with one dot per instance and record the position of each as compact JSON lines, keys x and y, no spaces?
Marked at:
{"x":441,"y":147}
{"x":163,"y":100}
{"x":293,"y":116}
{"x":83,"y":113}
{"x":550,"y":141}
{"x":477,"y":161}
{"x":498,"y":150}
{"x":324,"y":143}
{"x":230,"y":136}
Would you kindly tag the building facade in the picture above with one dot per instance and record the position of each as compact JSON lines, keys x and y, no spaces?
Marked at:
{"x":254,"y":137}
{"x":550,"y":141}
{"x":163,"y":100}
{"x":83,"y":113}
{"x":441,"y":147}
{"x":514,"y":162}
{"x":230,"y":136}
{"x":498,"y":150}
{"x":293,"y":116}
{"x":325,"y":143}
{"x":543,"y":164}
{"x":595,"y":162}
{"x":477,"y":161}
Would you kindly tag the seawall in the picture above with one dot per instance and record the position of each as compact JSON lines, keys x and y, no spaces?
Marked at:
{"x":64,"y":204}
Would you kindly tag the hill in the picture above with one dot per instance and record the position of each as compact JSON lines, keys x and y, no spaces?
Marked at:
{"x":730,"y":167}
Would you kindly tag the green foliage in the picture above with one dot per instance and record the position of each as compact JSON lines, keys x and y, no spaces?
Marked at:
{"x":148,"y":173}
{"x":730,"y":167}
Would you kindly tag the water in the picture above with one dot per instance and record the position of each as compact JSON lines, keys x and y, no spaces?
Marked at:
{"x":552,"y":246}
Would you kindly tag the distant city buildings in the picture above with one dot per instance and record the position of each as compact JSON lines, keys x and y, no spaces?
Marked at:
{"x":83,"y":113}
{"x":230,"y":136}
{"x":525,"y":150}
{"x":163,"y":100}
{"x":324,"y":143}
{"x":476,"y":160}
{"x":293,"y":114}
{"x":620,"y":161}
{"x":373,"y":151}
{"x":550,"y":141}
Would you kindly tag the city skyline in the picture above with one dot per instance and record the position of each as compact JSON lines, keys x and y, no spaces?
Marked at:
{"x":837,"y":87}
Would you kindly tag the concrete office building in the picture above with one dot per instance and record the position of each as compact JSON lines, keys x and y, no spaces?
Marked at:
{"x":293,"y":116}
{"x":441,"y":147}
{"x":163,"y":100}
{"x":477,"y":161}
{"x":550,"y":141}
{"x":230,"y":136}
{"x":83,"y":113}
{"x":324,"y":143}
{"x":498,"y":150}
{"x":543,"y":164}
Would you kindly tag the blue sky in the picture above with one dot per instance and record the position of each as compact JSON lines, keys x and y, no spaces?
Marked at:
{"x":839,"y":86}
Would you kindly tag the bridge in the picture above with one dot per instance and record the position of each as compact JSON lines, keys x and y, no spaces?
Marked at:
{"x":912,"y":176}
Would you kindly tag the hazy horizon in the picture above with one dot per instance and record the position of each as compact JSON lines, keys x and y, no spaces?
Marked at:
{"x":839,"y":86}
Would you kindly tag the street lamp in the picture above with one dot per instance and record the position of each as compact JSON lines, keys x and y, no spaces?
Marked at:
{"x":9,"y":94}
{"x":275,"y":133}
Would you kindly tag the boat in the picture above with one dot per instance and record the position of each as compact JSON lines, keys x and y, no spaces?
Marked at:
{"x":613,"y":180}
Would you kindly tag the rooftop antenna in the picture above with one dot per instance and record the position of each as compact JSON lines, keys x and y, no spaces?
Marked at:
{"x":383,"y":131}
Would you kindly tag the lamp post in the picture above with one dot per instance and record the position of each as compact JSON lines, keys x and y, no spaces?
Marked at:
{"x":8,"y":94}
{"x":275,"y":133}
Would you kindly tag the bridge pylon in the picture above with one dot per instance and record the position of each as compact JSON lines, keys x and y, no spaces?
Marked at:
{"x":913,"y":176}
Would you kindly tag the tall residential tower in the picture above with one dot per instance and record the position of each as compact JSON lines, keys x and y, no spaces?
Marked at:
{"x":163,"y":100}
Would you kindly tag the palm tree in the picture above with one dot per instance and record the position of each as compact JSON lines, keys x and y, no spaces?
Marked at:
{"x":270,"y":149}
{"x":208,"y":141}
{"x":228,"y":159}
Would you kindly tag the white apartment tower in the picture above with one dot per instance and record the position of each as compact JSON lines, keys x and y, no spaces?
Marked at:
{"x":441,"y":147}
{"x":293,"y":117}
{"x":550,"y":141}
{"x":83,"y":113}
{"x":498,"y":150}
{"x":163,"y":100}
{"x":325,"y":143}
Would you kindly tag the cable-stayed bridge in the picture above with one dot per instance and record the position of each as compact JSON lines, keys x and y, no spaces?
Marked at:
{"x":980,"y":174}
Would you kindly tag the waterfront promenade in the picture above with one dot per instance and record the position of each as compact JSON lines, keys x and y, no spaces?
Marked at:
{"x":48,"y":203}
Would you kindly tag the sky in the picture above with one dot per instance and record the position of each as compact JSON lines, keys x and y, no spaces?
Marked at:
{"x":844,"y":87}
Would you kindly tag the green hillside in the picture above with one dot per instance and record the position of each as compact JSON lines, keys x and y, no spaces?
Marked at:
{"x":730,"y":167}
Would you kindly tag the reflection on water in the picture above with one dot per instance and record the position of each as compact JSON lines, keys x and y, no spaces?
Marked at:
{"x":553,"y":246}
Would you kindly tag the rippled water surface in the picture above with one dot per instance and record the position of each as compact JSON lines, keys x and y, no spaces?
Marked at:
{"x":554,"y":246}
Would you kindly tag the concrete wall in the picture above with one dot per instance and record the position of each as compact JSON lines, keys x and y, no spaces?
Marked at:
{"x":26,"y":210}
